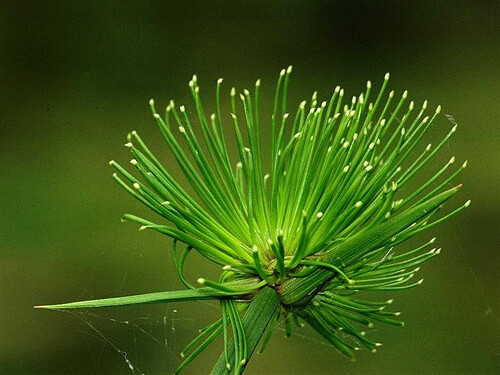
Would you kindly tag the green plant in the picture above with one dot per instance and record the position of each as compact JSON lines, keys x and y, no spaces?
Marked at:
{"x":299,"y":236}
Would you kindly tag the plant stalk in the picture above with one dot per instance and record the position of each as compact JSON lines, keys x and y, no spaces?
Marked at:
{"x":255,"y":322}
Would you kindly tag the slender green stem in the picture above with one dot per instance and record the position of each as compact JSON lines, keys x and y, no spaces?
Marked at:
{"x":259,"y":313}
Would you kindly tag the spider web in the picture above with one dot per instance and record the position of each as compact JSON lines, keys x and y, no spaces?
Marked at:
{"x":169,"y":329}
{"x":161,"y":330}
{"x":134,"y":340}
{"x":150,"y":338}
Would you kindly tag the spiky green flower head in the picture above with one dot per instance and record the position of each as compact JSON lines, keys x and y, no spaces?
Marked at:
{"x":298,"y":228}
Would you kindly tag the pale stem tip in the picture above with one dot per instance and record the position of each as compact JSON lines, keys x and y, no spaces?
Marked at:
{"x":201,"y":281}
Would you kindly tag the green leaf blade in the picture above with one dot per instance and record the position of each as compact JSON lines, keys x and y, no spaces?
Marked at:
{"x":158,"y":297}
{"x":300,"y":290}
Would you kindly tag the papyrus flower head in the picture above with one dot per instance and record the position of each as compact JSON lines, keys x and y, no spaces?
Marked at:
{"x":310,"y":220}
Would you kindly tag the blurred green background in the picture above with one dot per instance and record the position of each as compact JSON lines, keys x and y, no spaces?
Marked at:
{"x":77,"y":76}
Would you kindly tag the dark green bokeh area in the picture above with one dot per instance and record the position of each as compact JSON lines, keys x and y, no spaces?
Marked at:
{"x":77,"y":76}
